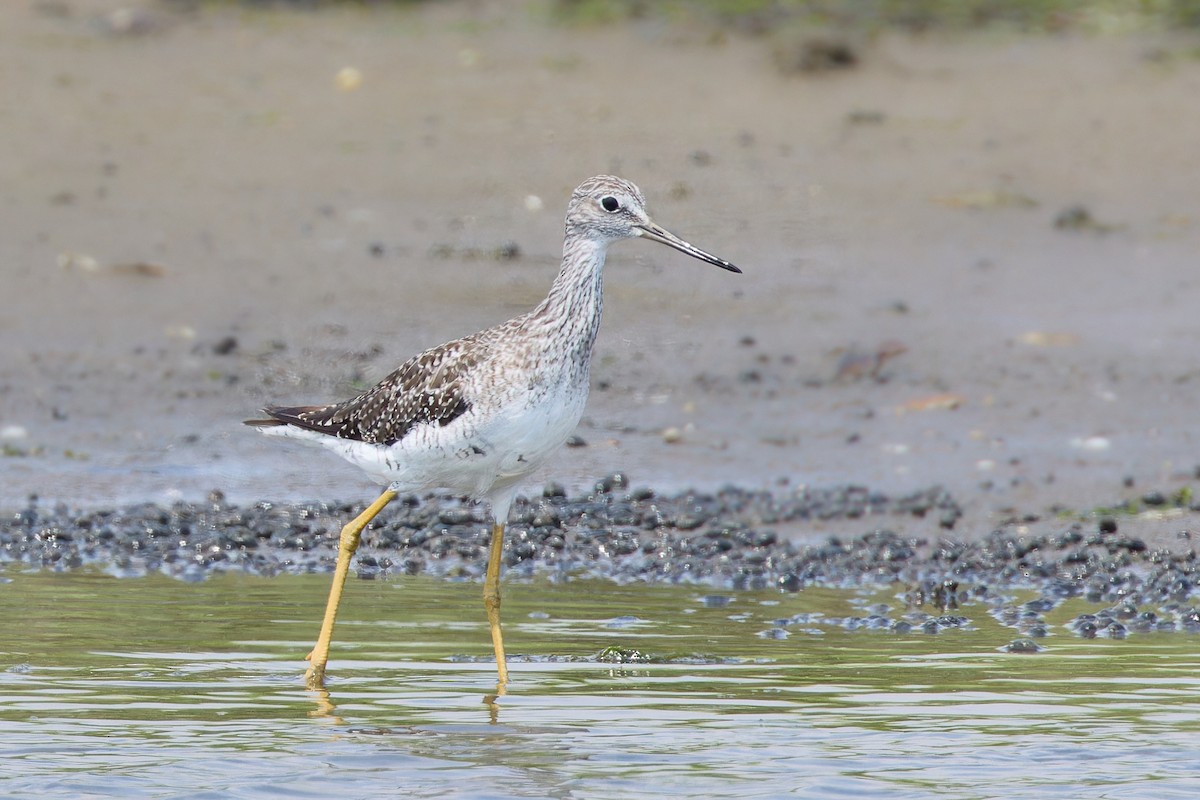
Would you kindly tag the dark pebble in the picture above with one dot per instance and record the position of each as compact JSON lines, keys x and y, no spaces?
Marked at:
{"x":225,"y":346}
{"x":1115,"y":630}
{"x":1154,"y":499}
{"x":1075,"y":217}
{"x":611,"y":483}
{"x":455,"y":516}
{"x":789,"y":583}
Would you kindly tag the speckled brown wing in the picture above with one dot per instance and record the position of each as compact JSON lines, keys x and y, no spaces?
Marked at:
{"x":426,"y":388}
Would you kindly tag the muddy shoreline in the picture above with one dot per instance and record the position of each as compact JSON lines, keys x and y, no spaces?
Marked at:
{"x":216,"y":221}
{"x":727,"y":541}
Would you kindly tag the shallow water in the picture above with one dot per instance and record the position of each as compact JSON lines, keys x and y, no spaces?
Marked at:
{"x":156,"y":688}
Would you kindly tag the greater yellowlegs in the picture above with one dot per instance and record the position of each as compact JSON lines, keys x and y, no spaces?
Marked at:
{"x":479,"y":414}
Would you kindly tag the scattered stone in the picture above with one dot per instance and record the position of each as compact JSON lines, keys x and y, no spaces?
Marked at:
{"x":1154,"y":499}
{"x":1079,"y":218}
{"x":814,"y":55}
{"x":609,"y":483}
{"x":225,"y":346}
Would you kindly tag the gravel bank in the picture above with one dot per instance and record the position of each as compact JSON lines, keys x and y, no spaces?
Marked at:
{"x":727,"y":540}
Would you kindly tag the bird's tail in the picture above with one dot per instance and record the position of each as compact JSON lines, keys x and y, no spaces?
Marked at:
{"x":274,"y":419}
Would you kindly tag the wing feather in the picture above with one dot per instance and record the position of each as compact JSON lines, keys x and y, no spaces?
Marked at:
{"x":428,"y":388}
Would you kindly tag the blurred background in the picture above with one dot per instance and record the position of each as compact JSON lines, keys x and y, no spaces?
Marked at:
{"x":970,"y":234}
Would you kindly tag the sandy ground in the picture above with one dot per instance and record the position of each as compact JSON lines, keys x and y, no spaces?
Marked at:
{"x":200,"y":219}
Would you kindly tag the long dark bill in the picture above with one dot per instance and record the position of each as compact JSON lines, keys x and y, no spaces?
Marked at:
{"x":656,"y":233}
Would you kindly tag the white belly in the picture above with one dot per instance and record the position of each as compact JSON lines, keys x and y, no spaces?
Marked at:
{"x":485,"y":450}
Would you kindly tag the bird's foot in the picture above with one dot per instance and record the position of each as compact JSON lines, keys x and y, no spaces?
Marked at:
{"x":314,"y":677}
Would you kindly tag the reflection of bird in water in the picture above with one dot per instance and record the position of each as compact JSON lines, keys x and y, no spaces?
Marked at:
{"x":479,"y":414}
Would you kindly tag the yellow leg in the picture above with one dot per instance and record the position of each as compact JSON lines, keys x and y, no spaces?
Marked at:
{"x":314,"y":676}
{"x":491,"y":599}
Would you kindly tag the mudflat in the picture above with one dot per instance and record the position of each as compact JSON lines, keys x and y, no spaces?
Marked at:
{"x":970,"y":261}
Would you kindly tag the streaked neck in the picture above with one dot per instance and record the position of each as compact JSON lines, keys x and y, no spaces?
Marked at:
{"x":576,"y":298}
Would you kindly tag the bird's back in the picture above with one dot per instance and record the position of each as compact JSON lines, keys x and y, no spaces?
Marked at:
{"x":466,"y":415}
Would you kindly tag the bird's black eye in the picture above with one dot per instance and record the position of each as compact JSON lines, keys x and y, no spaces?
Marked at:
{"x":611,"y":204}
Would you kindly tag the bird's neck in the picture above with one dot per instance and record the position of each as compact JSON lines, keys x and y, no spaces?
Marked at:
{"x":576,"y":299}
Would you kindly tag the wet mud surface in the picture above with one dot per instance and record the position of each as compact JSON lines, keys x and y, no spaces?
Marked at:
{"x":969,"y":264}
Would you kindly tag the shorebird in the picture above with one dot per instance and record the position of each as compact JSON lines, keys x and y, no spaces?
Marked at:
{"x":479,"y":414}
